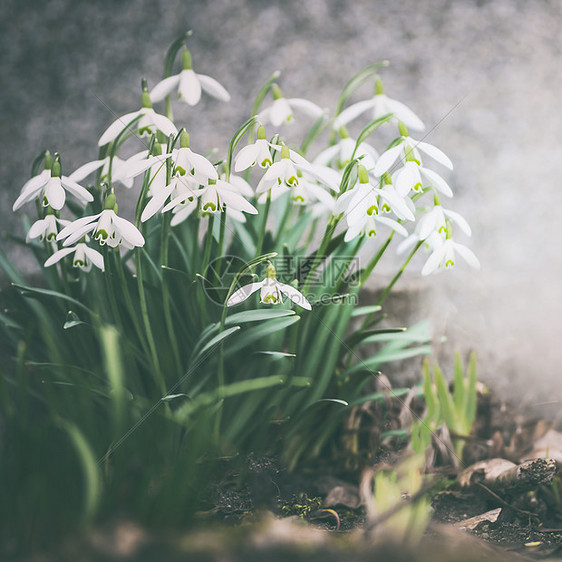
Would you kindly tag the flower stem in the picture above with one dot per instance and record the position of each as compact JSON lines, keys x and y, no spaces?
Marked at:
{"x":165,"y":291}
{"x":147,"y":327}
{"x":264,"y":224}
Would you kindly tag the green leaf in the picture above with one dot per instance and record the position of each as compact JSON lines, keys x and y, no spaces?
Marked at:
{"x":445,"y":400}
{"x":215,"y":341}
{"x":257,"y":315}
{"x":72,"y":321}
{"x":256,"y":333}
{"x":90,"y":470}
{"x":34,"y":292}
{"x":369,"y":129}
{"x":370,"y":336}
{"x":364,"y":310}
{"x":371,"y":364}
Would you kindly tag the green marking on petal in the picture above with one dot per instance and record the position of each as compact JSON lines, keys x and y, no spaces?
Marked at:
{"x":449,"y":263}
{"x":180,"y":171}
{"x":266,"y":162}
{"x":373,"y":209}
{"x":299,"y":199}
{"x":371,"y":233}
{"x":210,"y":207}
{"x":292,"y":181}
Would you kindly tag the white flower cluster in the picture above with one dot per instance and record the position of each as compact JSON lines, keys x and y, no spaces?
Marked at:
{"x":349,"y":181}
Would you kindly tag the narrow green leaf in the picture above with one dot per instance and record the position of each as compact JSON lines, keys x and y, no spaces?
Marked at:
{"x":92,"y":480}
{"x":215,"y":341}
{"x":364,"y":310}
{"x":34,"y":292}
{"x":257,"y":315}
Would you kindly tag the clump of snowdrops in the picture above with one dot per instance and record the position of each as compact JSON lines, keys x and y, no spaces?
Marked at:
{"x":215,"y":315}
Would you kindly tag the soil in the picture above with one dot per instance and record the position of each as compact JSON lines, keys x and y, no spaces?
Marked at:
{"x":316,"y":512}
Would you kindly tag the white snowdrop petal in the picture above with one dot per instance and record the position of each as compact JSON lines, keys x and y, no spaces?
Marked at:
{"x":58,"y":255}
{"x":95,"y":257}
{"x":243,"y":293}
{"x":163,"y":88}
{"x":435,"y":153}
{"x":467,"y":254}
{"x":280,"y":112}
{"x":213,"y":88}
{"x":86,"y":169}
{"x":405,"y":114}
{"x":352,"y":112}
{"x":77,"y":190}
{"x":459,"y":220}
{"x":294,"y":295}
{"x":242,"y":186}
{"x":327,"y":155}
{"x":387,"y":159}
{"x":246,"y":158}
{"x":189,"y":87}
{"x":397,"y":227}
{"x":437,"y":181}
{"x":128,"y":231}
{"x":117,"y":126}
{"x":164,"y":124}
{"x":54,"y":194}
{"x":306,"y":106}
{"x":433,"y":261}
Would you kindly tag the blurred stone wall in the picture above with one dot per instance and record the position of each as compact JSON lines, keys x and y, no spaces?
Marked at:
{"x":485,"y":76}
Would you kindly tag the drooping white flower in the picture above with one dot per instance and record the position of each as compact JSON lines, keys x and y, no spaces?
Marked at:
{"x":219,"y":193}
{"x":271,"y":291}
{"x":436,"y":221}
{"x":51,"y":188}
{"x":84,"y":257}
{"x":283,"y":173}
{"x":107,"y":227}
{"x":258,"y":153}
{"x":281,"y":110}
{"x":188,"y":84}
{"x":380,"y":105}
{"x":414,"y":177}
{"x":341,"y":152}
{"x":46,"y":228}
{"x":407,"y":149}
{"x":362,"y":206}
{"x":148,"y":122}
{"x":443,"y":257}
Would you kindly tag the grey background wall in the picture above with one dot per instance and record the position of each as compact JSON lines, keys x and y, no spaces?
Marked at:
{"x":485,"y":74}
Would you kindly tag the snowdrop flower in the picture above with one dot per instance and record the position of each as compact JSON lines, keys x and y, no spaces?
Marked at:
{"x":281,"y":110}
{"x":149,"y":121}
{"x":341,"y":153}
{"x":308,"y":191}
{"x":271,"y":291}
{"x":188,"y":84}
{"x":46,"y":228}
{"x":361,"y":206}
{"x":408,"y":149}
{"x":219,"y":193}
{"x":363,"y":199}
{"x":436,"y":221}
{"x":257,"y":153}
{"x":84,"y":257}
{"x":50,"y":186}
{"x":443,"y":257}
{"x":108,"y":228}
{"x":380,"y":105}
{"x":282,"y":173}
{"x":413,"y":177}
{"x":181,"y":210}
